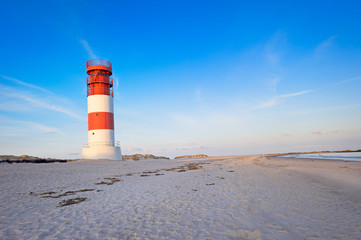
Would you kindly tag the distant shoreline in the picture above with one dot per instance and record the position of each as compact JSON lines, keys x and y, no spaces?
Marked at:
{"x":31,"y":159}
{"x":313,"y":152}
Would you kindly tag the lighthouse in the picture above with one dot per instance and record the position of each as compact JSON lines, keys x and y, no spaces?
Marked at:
{"x":101,"y":143}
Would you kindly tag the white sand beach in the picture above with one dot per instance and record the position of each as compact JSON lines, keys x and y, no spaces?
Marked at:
{"x":238,"y":197}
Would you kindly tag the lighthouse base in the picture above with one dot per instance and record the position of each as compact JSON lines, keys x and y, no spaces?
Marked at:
{"x":102,"y":152}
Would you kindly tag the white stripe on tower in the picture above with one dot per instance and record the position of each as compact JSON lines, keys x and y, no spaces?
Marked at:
{"x":101,"y":137}
{"x":101,"y":127}
{"x":100,"y":103}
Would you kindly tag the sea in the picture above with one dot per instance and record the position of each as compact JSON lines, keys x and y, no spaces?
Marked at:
{"x":344,"y":156}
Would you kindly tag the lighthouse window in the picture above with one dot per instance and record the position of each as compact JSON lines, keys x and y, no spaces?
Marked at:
{"x":96,"y":114}
{"x":93,"y":133}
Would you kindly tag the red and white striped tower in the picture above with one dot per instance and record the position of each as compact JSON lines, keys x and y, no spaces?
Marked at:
{"x":101,"y":144}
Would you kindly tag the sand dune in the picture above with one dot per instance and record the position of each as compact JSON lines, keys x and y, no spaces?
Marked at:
{"x":233,"y":197}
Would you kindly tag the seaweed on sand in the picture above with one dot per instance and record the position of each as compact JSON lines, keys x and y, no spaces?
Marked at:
{"x":71,"y":201}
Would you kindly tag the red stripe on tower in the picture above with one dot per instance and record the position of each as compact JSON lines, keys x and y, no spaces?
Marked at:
{"x":100,"y":120}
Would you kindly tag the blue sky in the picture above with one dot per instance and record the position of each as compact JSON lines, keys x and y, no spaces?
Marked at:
{"x":213,"y":77}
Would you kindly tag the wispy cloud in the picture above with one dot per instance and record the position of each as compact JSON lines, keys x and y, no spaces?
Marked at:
{"x":25,"y":84}
{"x":273,"y":82}
{"x":316,"y":132}
{"x":37,"y":102}
{"x":88,"y":49}
{"x":273,"y":48}
{"x":116,"y":81}
{"x":334,"y":108}
{"x":348,"y":80}
{"x":271,"y":103}
{"x":322,"y":47}
{"x":295,"y":94}
{"x":279,"y":99}
{"x":20,"y":125}
{"x":198,"y":96}
{"x":335,"y":132}
{"x":40,"y":127}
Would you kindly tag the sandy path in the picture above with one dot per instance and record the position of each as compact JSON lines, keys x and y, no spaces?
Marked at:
{"x":251,"y":197}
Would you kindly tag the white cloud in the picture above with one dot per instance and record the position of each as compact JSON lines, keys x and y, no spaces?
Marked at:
{"x":273,"y":82}
{"x":316,"y":132}
{"x":322,"y":47}
{"x":115,"y":82}
{"x":198,"y":96}
{"x":14,"y":126}
{"x":295,"y":94}
{"x":278,"y":99}
{"x":37,"y":102}
{"x":41,"y":127}
{"x":335,"y":132}
{"x":271,"y":103}
{"x":25,"y":84}
{"x":348,"y":80}
{"x":313,"y":110}
{"x":274,"y":47}
{"x":88,"y":49}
